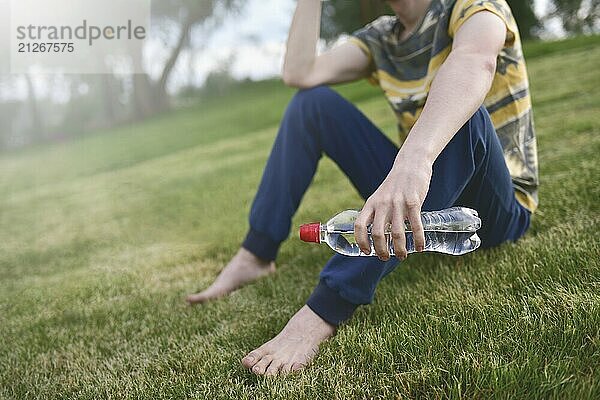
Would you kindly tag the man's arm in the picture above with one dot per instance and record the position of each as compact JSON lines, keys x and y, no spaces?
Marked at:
{"x":458,"y":90}
{"x":303,"y":68}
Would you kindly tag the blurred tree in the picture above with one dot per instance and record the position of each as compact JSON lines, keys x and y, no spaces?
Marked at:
{"x":345,"y":16}
{"x":8,"y":112}
{"x":526,"y":19}
{"x":219,"y":82}
{"x":181,"y":17}
{"x":577,"y":16}
{"x":109,"y":97}
{"x":95,"y":102}
{"x":37,"y":125}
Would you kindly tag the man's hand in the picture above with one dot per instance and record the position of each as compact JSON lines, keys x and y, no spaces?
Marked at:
{"x":398,"y":198}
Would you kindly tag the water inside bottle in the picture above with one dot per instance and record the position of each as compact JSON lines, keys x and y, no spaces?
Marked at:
{"x":450,"y":231}
{"x":447,"y":242}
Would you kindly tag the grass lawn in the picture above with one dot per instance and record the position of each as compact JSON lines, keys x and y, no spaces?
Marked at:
{"x":101,"y":238}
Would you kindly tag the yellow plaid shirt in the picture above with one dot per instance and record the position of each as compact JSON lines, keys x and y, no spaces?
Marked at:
{"x":405,"y":69}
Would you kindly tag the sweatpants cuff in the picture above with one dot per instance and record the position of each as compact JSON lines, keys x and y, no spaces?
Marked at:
{"x":329,"y":305}
{"x":261,"y":245}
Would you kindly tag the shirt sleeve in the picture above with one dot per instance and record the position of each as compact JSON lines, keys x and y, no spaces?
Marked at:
{"x":363,"y":46}
{"x":369,"y":40}
{"x":365,"y":36}
{"x":464,"y":9}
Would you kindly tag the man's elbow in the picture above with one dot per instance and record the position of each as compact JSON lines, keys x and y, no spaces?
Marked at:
{"x":290,"y":80}
{"x":489,"y":63}
{"x":488,"y":66}
{"x":483,"y":61}
{"x":483,"y":64}
{"x":295,"y":81}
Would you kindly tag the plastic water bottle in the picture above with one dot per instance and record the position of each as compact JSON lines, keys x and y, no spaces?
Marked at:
{"x":450,"y":231}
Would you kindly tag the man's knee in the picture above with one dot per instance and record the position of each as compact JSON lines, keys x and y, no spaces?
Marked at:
{"x":314,"y":101}
{"x":480,"y":125}
{"x":475,"y":137}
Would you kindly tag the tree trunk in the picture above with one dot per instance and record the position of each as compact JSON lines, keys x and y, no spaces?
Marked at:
{"x":143,"y":93}
{"x":161,"y":85}
{"x":37,"y":126}
{"x":109,"y":98}
{"x":151,"y":98}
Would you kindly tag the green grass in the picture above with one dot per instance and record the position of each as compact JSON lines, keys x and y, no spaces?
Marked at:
{"x":101,"y":238}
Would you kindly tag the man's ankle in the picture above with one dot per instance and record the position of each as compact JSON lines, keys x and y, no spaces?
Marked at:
{"x":253,"y":258}
{"x":261,"y":245}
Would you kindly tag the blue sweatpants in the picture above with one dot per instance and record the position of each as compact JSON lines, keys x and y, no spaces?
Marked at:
{"x":469,"y":172}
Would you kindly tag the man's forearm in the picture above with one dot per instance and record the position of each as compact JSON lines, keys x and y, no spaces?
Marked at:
{"x":457,"y":91}
{"x":459,"y":88}
{"x":302,"y":40}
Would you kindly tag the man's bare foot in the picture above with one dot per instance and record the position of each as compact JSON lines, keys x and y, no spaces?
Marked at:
{"x":243,"y":268}
{"x":293,"y":348}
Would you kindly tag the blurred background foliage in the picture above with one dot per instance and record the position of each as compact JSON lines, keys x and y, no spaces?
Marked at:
{"x":91,"y":102}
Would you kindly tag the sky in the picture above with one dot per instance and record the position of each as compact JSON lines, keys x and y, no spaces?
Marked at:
{"x":249,"y":45}
{"x":258,"y":36}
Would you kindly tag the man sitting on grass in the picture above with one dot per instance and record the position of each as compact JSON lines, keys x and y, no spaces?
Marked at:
{"x":437,"y":62}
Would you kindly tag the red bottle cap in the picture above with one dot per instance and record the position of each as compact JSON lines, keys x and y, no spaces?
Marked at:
{"x":311,"y":232}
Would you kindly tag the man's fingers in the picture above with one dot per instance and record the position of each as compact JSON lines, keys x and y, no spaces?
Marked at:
{"x":414,"y":217}
{"x":380,"y":241}
{"x":398,"y":233}
{"x":360,"y":229}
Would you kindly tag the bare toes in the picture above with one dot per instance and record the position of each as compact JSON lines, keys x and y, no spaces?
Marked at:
{"x":195,"y":298}
{"x":297,"y":366}
{"x":252,"y":358}
{"x":204,"y":296}
{"x":274,"y":368}
{"x":291,"y":367}
{"x":261,"y":366}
